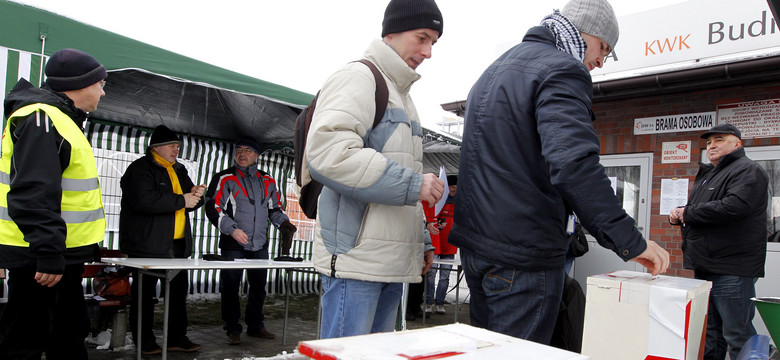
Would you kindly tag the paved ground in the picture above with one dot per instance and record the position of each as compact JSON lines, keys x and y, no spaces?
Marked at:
{"x":212,"y":337}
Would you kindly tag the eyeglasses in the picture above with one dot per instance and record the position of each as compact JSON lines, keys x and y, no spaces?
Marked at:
{"x":244,"y":150}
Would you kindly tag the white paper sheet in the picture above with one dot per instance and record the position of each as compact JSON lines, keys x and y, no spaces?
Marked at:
{"x":440,"y":204}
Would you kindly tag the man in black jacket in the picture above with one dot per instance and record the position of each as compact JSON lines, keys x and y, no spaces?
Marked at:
{"x":529,"y":158}
{"x":51,"y":215}
{"x":724,"y":237}
{"x":157,"y":194}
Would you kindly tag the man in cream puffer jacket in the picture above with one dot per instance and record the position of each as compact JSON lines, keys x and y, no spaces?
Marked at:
{"x":369,"y":232}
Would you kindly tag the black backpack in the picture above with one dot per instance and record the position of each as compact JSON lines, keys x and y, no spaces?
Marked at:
{"x":310,"y":189}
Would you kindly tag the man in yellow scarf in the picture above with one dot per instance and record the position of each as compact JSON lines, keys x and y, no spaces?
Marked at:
{"x":157,"y":193}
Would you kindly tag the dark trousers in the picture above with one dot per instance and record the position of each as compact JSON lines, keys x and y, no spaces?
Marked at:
{"x":177,"y":304}
{"x":729,"y":315}
{"x":414,"y":303}
{"x":39,"y":319}
{"x":230,"y":280}
{"x":177,"y":308}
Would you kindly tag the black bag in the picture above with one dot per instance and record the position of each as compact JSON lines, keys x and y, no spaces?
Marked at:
{"x":310,"y":188}
{"x":567,"y":334}
{"x":578,"y":243}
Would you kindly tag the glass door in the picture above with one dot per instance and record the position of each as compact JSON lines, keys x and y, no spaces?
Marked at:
{"x":631,"y":179}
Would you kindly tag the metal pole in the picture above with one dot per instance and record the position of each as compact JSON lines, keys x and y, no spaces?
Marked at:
{"x":138,"y":315}
{"x":287,"y":286}
{"x":40,"y":80}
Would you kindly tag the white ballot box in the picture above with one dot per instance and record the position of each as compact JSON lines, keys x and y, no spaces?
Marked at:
{"x":632,"y":315}
{"x":454,"y":341}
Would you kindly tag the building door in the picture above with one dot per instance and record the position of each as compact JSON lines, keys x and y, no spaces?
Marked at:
{"x":631,"y":176}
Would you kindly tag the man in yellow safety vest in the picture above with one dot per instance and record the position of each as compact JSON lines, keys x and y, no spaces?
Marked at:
{"x":51,"y":213}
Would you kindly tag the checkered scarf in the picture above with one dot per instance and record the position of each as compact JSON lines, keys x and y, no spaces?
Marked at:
{"x":567,"y":38}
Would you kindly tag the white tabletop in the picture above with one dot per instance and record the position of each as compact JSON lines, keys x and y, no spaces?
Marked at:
{"x":452,"y":262}
{"x":195,"y":264}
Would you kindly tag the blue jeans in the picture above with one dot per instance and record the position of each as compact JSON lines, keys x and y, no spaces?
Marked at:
{"x":515,"y":302}
{"x":355,"y":307}
{"x":730,"y":315}
{"x":230,"y":280}
{"x":444,"y":281}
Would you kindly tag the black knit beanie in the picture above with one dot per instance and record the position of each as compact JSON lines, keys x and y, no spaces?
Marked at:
{"x":248,"y":142}
{"x":73,"y":69}
{"x":163,"y":136}
{"x":405,"y":15}
{"x":452,"y":180}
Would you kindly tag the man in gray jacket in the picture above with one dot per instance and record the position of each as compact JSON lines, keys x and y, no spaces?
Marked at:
{"x":369,"y":231}
{"x":240,"y":201}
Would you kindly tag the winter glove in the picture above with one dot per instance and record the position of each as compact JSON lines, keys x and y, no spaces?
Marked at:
{"x":287,"y":229}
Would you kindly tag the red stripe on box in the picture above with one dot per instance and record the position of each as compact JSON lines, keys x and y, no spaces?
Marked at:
{"x":687,"y":324}
{"x":651,"y":357}
{"x":314,"y":354}
{"x":432,"y":357}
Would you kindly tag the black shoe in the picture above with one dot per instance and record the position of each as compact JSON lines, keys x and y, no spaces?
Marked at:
{"x":265,"y":334}
{"x":184,"y":345}
{"x":233,"y":339}
{"x":151,"y":348}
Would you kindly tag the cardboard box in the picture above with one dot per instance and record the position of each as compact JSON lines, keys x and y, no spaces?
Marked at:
{"x":631,"y":315}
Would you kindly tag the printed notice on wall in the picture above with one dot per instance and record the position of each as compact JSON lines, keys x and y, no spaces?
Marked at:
{"x":674,"y":193}
{"x":676,"y":152}
{"x":754,"y":119}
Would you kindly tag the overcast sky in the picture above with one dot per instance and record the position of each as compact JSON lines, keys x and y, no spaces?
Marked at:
{"x":299,"y":43}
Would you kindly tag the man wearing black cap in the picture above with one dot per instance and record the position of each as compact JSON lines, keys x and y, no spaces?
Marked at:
{"x":366,"y":245}
{"x":240,"y":201}
{"x":157,"y":194}
{"x":724,"y":237}
{"x":51,"y":214}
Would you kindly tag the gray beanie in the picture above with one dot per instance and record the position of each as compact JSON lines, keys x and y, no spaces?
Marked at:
{"x":594,"y":17}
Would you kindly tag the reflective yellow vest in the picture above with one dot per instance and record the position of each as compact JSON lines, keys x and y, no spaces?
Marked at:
{"x":82,"y":206}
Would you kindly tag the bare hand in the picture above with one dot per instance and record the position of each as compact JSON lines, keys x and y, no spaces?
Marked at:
{"x":427,"y":261}
{"x":432,"y":228}
{"x":654,"y":258}
{"x":47,"y":280}
{"x":190,"y":200}
{"x":432,"y":189}
{"x":240,"y":236}
{"x":676,"y":216}
{"x":198,"y":190}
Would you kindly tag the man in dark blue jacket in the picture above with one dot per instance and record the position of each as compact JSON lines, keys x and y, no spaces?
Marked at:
{"x":529,"y":158}
{"x":724,"y":238}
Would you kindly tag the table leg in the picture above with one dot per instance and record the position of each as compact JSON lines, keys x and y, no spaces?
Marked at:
{"x":457,"y":292}
{"x":287,"y":286}
{"x":138,"y":315}
{"x":319,"y":311}
{"x":165,"y":315}
{"x":425,"y":292}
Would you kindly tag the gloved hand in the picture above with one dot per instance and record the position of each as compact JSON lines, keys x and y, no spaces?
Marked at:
{"x":287,"y":229}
